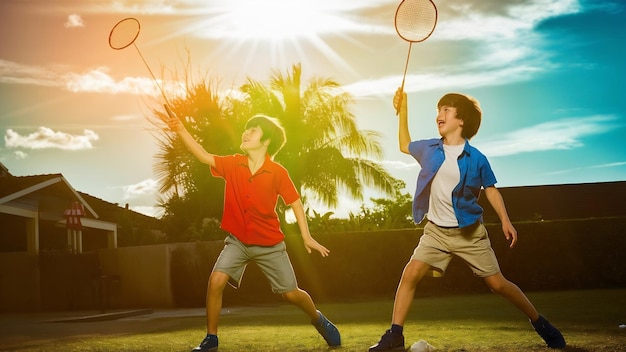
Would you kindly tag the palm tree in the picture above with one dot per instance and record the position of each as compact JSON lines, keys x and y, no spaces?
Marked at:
{"x":192,"y":198}
{"x":325,"y":152}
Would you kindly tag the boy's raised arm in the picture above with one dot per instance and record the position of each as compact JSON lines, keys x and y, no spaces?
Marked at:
{"x":192,"y":145}
{"x":404,"y":137}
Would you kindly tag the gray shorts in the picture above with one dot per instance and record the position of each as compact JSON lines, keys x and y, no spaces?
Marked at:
{"x":438,"y":244}
{"x":273,"y":262}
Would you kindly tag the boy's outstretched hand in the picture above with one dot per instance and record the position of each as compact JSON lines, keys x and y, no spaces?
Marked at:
{"x":311,"y":244}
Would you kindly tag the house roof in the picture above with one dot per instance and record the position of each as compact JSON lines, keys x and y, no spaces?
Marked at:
{"x":113,"y":212}
{"x":39,"y":188}
{"x":24,"y":191}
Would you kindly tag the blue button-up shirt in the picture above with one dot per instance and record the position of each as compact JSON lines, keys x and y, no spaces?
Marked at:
{"x":475,"y":172}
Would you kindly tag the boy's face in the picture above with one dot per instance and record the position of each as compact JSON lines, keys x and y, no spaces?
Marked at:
{"x":251,"y":140}
{"x":447,"y":121}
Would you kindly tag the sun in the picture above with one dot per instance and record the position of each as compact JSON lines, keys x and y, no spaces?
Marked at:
{"x":249,"y":35}
{"x":273,"y":20}
{"x":282,"y":32}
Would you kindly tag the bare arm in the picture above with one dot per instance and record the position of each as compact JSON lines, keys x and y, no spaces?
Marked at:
{"x":404,"y":137}
{"x":309,"y":242}
{"x":192,"y":145}
{"x":497,"y":202}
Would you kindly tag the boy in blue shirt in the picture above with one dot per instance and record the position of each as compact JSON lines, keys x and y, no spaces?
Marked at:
{"x":450,"y":180}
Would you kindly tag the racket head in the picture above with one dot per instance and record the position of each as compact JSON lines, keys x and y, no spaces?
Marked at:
{"x":124,"y":33}
{"x":415,"y":20}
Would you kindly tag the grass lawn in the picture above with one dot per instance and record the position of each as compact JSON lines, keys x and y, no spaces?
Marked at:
{"x":589,"y":320}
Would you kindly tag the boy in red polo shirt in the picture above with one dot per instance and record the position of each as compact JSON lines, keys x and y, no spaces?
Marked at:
{"x":253,"y":184}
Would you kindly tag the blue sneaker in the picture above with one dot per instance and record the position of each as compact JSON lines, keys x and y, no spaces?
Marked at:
{"x":209,"y":344}
{"x":551,"y":335}
{"x":328,"y":330}
{"x":389,"y":342}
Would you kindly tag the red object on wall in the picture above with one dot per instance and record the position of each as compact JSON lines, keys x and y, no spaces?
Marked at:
{"x":73,"y":215}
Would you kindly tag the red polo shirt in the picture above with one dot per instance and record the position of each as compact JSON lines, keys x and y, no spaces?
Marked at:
{"x":250,"y":200}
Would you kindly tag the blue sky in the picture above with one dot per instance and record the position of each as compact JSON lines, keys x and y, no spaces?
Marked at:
{"x":548,"y":74}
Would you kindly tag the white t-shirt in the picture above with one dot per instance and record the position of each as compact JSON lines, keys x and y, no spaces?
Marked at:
{"x":440,"y":210}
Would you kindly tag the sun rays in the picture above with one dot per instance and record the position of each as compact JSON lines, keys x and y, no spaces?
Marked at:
{"x":279,"y":32}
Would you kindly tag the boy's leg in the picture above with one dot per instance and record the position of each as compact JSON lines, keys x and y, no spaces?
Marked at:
{"x":393,"y":339}
{"x":498,"y":284}
{"x":302,"y":300}
{"x":229,"y":267}
{"x":215,"y":290}
{"x":413,"y":272}
{"x":505,"y":288}
{"x":274,"y":262}
{"x":325,"y":327}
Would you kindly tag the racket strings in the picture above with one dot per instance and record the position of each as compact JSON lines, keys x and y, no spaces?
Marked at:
{"x":415,"y":20}
{"x":124,"y":33}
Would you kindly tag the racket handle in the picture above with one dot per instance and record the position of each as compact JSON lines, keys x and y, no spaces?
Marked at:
{"x":406,"y":66}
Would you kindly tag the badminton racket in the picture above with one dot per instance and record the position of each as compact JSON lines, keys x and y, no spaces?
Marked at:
{"x":415,"y":21}
{"x":123,"y":35}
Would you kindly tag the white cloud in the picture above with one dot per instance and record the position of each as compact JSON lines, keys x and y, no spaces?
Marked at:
{"x":46,"y":138}
{"x":15,"y":73}
{"x":122,"y":118}
{"x":578,"y":169}
{"x":74,"y":21}
{"x":398,"y":164}
{"x":99,"y":81}
{"x":143,"y":193}
{"x":460,"y":77}
{"x":147,"y":7}
{"x":486,"y":21}
{"x":20,"y":155}
{"x":143,"y":188}
{"x":616,"y":164}
{"x":554,"y":135}
{"x":96,"y":80}
{"x":156,"y":212}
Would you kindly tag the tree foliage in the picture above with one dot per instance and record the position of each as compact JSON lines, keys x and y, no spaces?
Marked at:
{"x":325,"y":153}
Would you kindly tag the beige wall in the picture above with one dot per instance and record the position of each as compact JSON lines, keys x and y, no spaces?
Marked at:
{"x":143,"y":273}
{"x":19,"y":282}
{"x":144,"y":280}
{"x":550,"y":255}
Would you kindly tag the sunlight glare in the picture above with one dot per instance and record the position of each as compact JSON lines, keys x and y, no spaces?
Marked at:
{"x":274,"y":19}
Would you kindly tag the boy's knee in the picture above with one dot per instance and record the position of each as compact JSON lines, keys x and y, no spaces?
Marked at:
{"x":497,"y":284}
{"x":415,"y":270}
{"x":292,"y":295}
{"x":218,"y":281}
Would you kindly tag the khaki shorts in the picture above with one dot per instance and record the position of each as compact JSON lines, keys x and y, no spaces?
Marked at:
{"x":273,"y":262}
{"x":438,"y":244}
